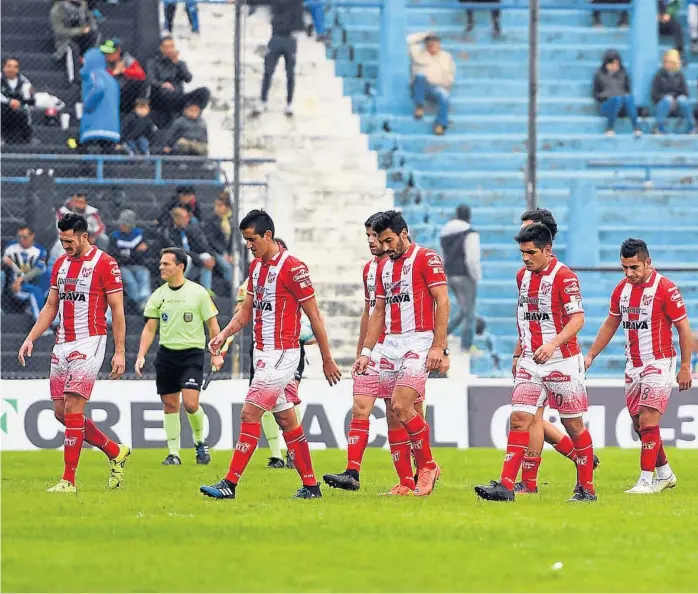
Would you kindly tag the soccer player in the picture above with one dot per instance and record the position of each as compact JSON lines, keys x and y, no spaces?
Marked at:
{"x":412,"y":309}
{"x":84,"y":281}
{"x":279,"y":286}
{"x":550,"y":367}
{"x":647,"y":304}
{"x":180,"y":308}
{"x":541,"y":430}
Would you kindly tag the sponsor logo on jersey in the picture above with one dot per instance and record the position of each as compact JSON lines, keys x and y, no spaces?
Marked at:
{"x":526,"y":299}
{"x":410,"y":355}
{"x":302,"y":275}
{"x":676,"y":296}
{"x":434,"y":260}
{"x":54,"y":359}
{"x":632,"y":310}
{"x":651,"y":370}
{"x":164,"y":317}
{"x":569,"y":280}
{"x":628,"y":379}
{"x":188,"y":316}
{"x":545,"y":289}
{"x":572,"y":289}
{"x":399,"y":298}
{"x":523,"y":374}
{"x":72,"y":296}
{"x":262,"y":305}
{"x":386,"y":364}
{"x":371,"y":303}
{"x":556,"y":377}
{"x":390,"y":287}
{"x":67,"y":281}
{"x":305,"y":284}
{"x":115,"y":270}
{"x":635,"y":325}
{"x":76,"y":356}
{"x":535,"y":316}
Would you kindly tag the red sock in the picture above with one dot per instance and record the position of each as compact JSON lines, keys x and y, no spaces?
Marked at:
{"x":516,"y":448}
{"x":299,"y":451}
{"x":584,"y":450}
{"x":74,"y":436}
{"x":419,"y":438}
{"x":661,"y":456}
{"x":244,"y":448}
{"x":529,"y":472}
{"x":651,"y":440}
{"x":358,"y":441}
{"x":399,"y":441}
{"x":566,"y":448}
{"x":96,"y":438}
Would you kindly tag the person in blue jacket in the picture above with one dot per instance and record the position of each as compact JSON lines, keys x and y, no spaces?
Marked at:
{"x":100,"y":126}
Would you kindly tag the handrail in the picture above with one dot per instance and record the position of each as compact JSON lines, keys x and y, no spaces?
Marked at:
{"x":646,"y":167}
{"x":122,"y":158}
{"x":128,"y":181}
{"x":513,"y":5}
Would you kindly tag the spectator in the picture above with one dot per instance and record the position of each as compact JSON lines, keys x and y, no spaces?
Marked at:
{"x":127,"y":71}
{"x":100,"y":124}
{"x":16,"y":98}
{"x":189,"y":236}
{"x":26,"y":261}
{"x":496,"y":13}
{"x":95,"y":226}
{"x":192,"y":12}
{"x":74,"y":32}
{"x":287,"y":19}
{"x":128,"y":247}
{"x":460,"y":244}
{"x":670,"y":93}
{"x":188,"y":135}
{"x":622,"y":17}
{"x":433,"y":73}
{"x":612,"y":92}
{"x":167,"y":77}
{"x":667,"y":14}
{"x":317,"y":14}
{"x":219,"y":232}
{"x":693,"y":25}
{"x":185,"y":197}
{"x":138,"y":130}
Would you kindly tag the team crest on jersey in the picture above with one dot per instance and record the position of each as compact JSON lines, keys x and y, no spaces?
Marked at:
{"x":556,"y":376}
{"x":651,"y":370}
{"x":546,"y":289}
{"x":86,"y":272}
{"x":647,"y":299}
{"x":271,"y":277}
{"x":188,"y":317}
{"x":164,"y":317}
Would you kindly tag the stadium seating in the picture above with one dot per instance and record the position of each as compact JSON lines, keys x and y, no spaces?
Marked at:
{"x":481,"y":158}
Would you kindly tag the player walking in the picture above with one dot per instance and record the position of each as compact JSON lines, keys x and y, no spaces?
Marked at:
{"x":180,"y":308}
{"x":550,"y":368}
{"x":412,"y":309}
{"x":279,"y":286}
{"x":647,"y":304}
{"x":84,"y":281}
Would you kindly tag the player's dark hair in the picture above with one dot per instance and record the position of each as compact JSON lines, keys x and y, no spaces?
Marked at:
{"x":463,"y":213}
{"x":259,"y":221}
{"x":634,"y":247}
{"x":390,"y":219}
{"x":538,"y":233}
{"x":541,"y":215}
{"x":179,"y":254}
{"x":74,"y":222}
{"x":370,"y":220}
{"x":281,"y":242}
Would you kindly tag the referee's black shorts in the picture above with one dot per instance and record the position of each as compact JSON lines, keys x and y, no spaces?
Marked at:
{"x":178,"y":370}
{"x":299,"y":372}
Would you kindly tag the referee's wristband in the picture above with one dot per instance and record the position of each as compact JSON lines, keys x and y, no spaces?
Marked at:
{"x":366,"y":352}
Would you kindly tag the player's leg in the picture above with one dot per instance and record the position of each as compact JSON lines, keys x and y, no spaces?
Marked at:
{"x":74,"y":418}
{"x":584,"y":457}
{"x":400,"y":453}
{"x":173,"y":427}
{"x":273,"y":435}
{"x":532,"y":458}
{"x":197,"y":417}
{"x":561,"y":442}
{"x":289,"y":461}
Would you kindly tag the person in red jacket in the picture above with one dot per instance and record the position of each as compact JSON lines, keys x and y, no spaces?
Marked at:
{"x":126,"y":70}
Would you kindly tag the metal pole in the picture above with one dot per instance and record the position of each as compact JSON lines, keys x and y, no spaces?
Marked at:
{"x":533,"y":12}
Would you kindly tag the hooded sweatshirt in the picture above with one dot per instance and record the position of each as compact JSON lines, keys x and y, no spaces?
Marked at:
{"x":611,"y":84}
{"x":101,"y":99}
{"x":460,"y":244}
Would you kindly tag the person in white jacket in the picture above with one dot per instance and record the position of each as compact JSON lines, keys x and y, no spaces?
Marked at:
{"x":433,"y":73}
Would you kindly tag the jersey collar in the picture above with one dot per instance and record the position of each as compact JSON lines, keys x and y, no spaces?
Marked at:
{"x":549,"y":268}
{"x":408,"y":251}
{"x":275,"y":259}
{"x":650,"y":280}
{"x":86,"y":256}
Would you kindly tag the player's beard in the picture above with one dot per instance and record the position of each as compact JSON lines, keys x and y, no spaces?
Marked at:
{"x":398,"y":251}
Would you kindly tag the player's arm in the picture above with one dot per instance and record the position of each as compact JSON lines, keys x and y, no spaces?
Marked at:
{"x":684,"y":377}
{"x":43,"y":322}
{"x":376,"y":325}
{"x":147,"y":338}
{"x":115,"y":300}
{"x":242,"y":317}
{"x":329,"y":367}
{"x":214,"y":329}
{"x":443,"y":306}
{"x":606,"y":333}
{"x":569,"y":331}
{"x":363,"y":329}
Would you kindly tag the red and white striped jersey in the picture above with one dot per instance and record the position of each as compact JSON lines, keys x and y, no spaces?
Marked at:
{"x":404,"y":284}
{"x":647,"y":312}
{"x":547,"y":299}
{"x":83,"y":285}
{"x":278,"y":287}
{"x":370,"y":276}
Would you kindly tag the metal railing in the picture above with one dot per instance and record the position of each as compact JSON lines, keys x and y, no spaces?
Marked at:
{"x":647,"y":168}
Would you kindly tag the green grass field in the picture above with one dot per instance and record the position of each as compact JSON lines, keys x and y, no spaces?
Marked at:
{"x":157,"y":533}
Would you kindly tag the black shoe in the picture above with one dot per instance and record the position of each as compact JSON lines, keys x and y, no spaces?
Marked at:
{"x":582,"y":495}
{"x":202,"y":453}
{"x":596,"y":19}
{"x":623,"y":21}
{"x":289,"y":461}
{"x":308,"y":492}
{"x":222,"y":490}
{"x":521,"y":489}
{"x":596,"y":461}
{"x":172,"y":460}
{"x":347,"y":480}
{"x":495,"y":491}
{"x":496,"y":29}
{"x":275,"y":463}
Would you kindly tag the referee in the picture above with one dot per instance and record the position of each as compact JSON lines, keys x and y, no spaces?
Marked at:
{"x":181,"y":307}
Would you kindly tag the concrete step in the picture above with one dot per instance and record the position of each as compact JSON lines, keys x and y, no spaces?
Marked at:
{"x":554,"y":199}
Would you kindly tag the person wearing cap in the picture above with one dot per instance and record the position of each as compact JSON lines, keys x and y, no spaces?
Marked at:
{"x":128,"y":248}
{"x":126,"y":70}
{"x":185,"y":196}
{"x":433,"y":73}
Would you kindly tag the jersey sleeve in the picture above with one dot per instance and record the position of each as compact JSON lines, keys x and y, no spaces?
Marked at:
{"x":111,"y":275}
{"x":569,"y":291}
{"x":207,"y":307}
{"x":380,"y":289}
{"x":674,"y":305}
{"x":614,"y":308}
{"x":299,"y":283}
{"x":54,"y":273}
{"x":152,"y":307}
{"x":432,"y":268}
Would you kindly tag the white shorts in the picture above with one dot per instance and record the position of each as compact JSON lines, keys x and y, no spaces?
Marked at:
{"x":559,"y":384}
{"x":75,"y":365}
{"x":368,"y":383}
{"x":273,"y":387}
{"x":404,"y":363}
{"x":649,"y":385}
